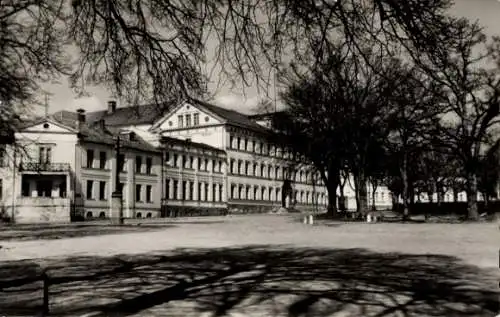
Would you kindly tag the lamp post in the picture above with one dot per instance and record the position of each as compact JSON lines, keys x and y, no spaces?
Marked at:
{"x":117,"y":196}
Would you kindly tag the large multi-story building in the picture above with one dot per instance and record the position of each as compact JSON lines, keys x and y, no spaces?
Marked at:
{"x":194,"y":157}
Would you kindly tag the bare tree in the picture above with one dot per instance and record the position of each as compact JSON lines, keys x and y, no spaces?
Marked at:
{"x":472,"y":88}
{"x":31,"y":52}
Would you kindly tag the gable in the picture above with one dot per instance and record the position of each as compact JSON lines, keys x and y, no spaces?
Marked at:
{"x":187,"y":115}
{"x":48,"y":126}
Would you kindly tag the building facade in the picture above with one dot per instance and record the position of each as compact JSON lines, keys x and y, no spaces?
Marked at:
{"x":193,"y":158}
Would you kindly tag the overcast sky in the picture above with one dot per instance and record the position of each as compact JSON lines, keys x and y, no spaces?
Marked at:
{"x":487,"y":12}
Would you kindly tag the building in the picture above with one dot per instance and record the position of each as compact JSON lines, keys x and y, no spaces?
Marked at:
{"x":193,"y":158}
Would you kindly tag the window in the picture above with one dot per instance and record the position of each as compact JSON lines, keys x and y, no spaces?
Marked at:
{"x":231,"y":141}
{"x":238,"y":143}
{"x":247,"y":164}
{"x":102,"y":160}
{"x":188,"y":120}
{"x":176,"y":184}
{"x":262,"y":170}
{"x":176,"y":158}
{"x":214,"y":166}
{"x":261,"y":148}
{"x":138,"y":190}
{"x":90,"y":158}
{"x":239,"y":167}
{"x":180,"y":121}
{"x":121,"y":188}
{"x":102,"y":190}
{"x":220,"y":167}
{"x":149,"y":165}
{"x":199,"y":164}
{"x":214,"y":191}
{"x":121,"y":162}
{"x":191,"y":162}
{"x":196,"y":119}
{"x":206,"y":165}
{"x":269,"y":171}
{"x":254,"y":169}
{"x":185,"y":161}
{"x":206,"y":191}
{"x":90,"y":189}
{"x":2,"y":156}
{"x":191,"y":190}
{"x":246,"y":145}
{"x":220,"y":192}
{"x":199,"y":191}
{"x":1,"y":188}
{"x":167,"y":188}
{"x":253,"y":146}
{"x":184,"y":190}
{"x":44,"y":155}
{"x":167,"y":158}
{"x":149,"y":193}
{"x":138,"y":164}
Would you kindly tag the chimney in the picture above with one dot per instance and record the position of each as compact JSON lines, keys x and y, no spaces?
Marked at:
{"x":80,"y":118}
{"x":111,"y":106}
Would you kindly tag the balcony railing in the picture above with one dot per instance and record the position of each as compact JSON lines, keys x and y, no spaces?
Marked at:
{"x":44,"y":167}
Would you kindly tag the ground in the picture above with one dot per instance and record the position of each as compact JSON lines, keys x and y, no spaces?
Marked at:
{"x":266,"y":265}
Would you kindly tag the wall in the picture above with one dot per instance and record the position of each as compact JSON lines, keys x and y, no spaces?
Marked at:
{"x":42,"y":209}
{"x":129,"y":178}
{"x":213,"y":135}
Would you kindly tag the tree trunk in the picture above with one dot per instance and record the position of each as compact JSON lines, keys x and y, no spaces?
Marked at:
{"x":361,"y":194}
{"x":472,"y":210}
{"x":374,"y":184}
{"x":440,"y":197}
{"x":486,"y":198}
{"x":342,"y":204}
{"x":331,"y":185}
{"x":404,"y":193}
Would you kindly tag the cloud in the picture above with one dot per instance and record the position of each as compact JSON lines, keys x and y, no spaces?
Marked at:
{"x":238,"y":103}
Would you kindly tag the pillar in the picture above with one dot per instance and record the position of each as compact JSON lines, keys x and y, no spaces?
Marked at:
{"x":202,"y":194}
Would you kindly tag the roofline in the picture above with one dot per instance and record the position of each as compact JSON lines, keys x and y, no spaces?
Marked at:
{"x":155,"y":150}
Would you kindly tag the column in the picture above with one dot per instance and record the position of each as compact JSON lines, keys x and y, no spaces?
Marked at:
{"x":217,"y":189}
{"x":188,"y":190}
{"x":171,"y":189}
{"x":202,"y":191}
{"x":179,"y":189}
{"x":210,"y":190}
{"x":195,"y":190}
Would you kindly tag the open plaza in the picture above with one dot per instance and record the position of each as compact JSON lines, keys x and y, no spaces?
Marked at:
{"x":252,"y":265}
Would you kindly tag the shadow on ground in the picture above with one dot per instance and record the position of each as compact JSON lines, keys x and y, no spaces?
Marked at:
{"x":262,"y":281}
{"x":51,"y":232}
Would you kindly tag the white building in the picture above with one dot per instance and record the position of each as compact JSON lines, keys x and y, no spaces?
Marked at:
{"x":194,"y":158}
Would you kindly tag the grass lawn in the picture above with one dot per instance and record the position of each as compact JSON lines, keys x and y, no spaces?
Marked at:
{"x":262,"y":265}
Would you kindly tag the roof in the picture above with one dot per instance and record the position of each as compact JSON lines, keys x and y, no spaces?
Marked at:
{"x":263,"y":116}
{"x":150,"y":113}
{"x":126,"y":116}
{"x":93,"y":132}
{"x":187,"y":143}
{"x":231,"y":116}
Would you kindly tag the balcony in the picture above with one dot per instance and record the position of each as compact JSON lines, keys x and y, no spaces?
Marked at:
{"x":44,"y":167}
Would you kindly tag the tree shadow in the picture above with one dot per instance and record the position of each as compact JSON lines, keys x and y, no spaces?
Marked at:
{"x":52,"y":232}
{"x":261,"y":280}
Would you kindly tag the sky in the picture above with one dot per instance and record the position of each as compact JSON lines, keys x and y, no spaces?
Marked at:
{"x":487,"y":12}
